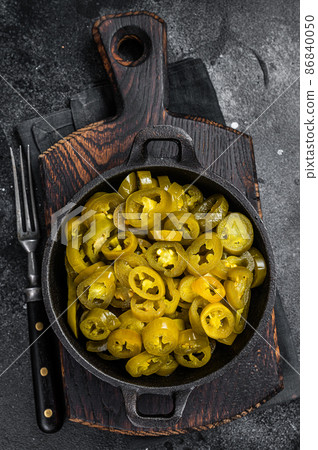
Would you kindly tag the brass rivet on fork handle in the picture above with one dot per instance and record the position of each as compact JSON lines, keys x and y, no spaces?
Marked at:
{"x":48,"y":413}
{"x":39,"y":326}
{"x":44,"y":371}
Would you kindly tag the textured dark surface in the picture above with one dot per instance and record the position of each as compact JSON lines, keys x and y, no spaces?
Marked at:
{"x":48,"y":55}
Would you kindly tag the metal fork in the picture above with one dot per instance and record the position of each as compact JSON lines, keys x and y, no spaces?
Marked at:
{"x":47,"y":384}
{"x":29,"y":236}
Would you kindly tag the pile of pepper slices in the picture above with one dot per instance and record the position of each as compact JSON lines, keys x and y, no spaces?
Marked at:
{"x":157,"y":274}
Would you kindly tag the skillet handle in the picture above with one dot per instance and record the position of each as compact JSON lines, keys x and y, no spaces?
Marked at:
{"x":153,"y":421}
{"x":140,"y":154}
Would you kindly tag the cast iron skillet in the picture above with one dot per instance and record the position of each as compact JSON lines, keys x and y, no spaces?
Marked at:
{"x":184,"y":170}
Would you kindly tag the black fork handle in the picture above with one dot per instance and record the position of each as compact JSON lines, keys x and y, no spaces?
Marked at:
{"x":46,"y":372}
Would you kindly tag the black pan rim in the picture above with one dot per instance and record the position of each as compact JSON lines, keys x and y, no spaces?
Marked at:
{"x":133,"y":385}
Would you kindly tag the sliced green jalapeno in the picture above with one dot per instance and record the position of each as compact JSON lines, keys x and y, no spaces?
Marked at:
{"x":98,"y":323}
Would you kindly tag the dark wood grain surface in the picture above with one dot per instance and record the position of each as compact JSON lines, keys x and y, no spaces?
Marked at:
{"x":140,"y":88}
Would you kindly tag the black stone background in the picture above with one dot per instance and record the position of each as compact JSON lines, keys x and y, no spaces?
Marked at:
{"x":251,"y":51}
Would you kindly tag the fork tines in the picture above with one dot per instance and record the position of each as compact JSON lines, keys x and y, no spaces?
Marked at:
{"x":30,"y":230}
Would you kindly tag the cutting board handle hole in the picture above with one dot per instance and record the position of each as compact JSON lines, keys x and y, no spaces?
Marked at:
{"x":130,"y":46}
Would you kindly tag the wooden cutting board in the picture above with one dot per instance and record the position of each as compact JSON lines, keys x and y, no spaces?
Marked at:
{"x":133,"y":50}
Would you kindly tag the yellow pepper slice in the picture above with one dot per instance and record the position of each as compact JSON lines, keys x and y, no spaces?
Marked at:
{"x":187,"y":294}
{"x":72,"y":306}
{"x":209,"y":288}
{"x":87,"y":272}
{"x":211,"y":212}
{"x":76,"y":257}
{"x":260,"y":269}
{"x":196,"y":359}
{"x":98,"y":323}
{"x":146,"y":283}
{"x":128,"y":185}
{"x":147,"y":310}
{"x":96,"y":346}
{"x":160,"y":336}
{"x":164,"y":182}
{"x":122,"y":296}
{"x":236,"y":233}
{"x":229,"y":340}
{"x":145,"y":180}
{"x":169,"y":258}
{"x":190,"y":342}
{"x":118,"y":244}
{"x":168,"y":367}
{"x":180,"y":324}
{"x":178,"y":199}
{"x":193,"y":196}
{"x":98,"y":233}
{"x":129,"y":321}
{"x":237,"y":286}
{"x":172,"y":296}
{"x":196,"y":308}
{"x":144,"y":364}
{"x":143,"y":246}
{"x":141,"y":207}
{"x":217,"y":321}
{"x":185,"y":223}
{"x":124,"y":344}
{"x":204,"y":253}
{"x":74,"y":229}
{"x":125,"y":264}
{"x":98,"y":289}
{"x":102,"y":202}
{"x":241,"y":316}
{"x":165,"y":235}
